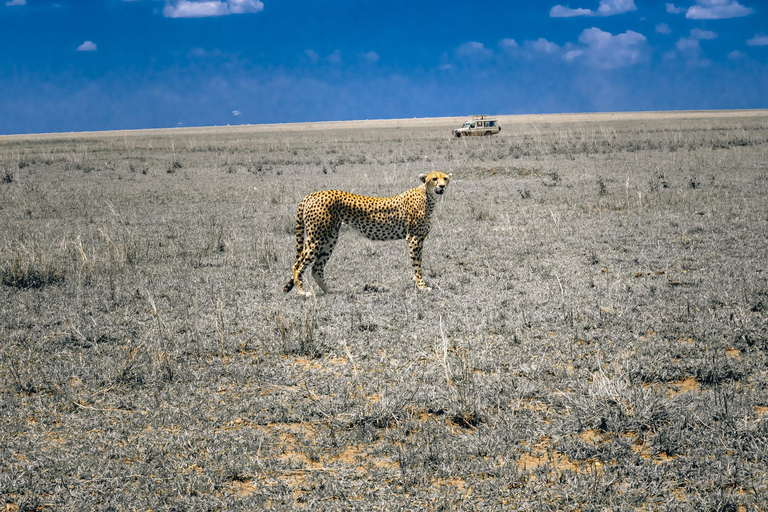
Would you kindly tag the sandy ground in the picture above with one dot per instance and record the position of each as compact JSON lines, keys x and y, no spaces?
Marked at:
{"x":413,"y":122}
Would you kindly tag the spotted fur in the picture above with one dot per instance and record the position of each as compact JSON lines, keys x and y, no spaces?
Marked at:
{"x":321,"y":214}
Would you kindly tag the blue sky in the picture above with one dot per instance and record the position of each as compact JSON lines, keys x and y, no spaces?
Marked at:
{"x":68,"y":65}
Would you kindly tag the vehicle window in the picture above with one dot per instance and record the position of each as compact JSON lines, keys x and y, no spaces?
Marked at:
{"x":472,"y":126}
{"x":491,"y":123}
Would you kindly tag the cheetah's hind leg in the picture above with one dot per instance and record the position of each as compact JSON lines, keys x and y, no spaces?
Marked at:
{"x":323,"y":254}
{"x":320,"y":281}
{"x":307,"y":258}
{"x":300,"y":285}
{"x":422,"y":285}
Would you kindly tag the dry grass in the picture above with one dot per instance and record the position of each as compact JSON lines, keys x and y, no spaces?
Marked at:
{"x":596,"y":338}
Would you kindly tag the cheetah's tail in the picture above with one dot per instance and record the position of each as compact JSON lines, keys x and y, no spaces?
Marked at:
{"x":300,"y":229}
{"x":299,"y":241}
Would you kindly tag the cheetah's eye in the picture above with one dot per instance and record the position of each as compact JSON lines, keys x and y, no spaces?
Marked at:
{"x":434,"y":178}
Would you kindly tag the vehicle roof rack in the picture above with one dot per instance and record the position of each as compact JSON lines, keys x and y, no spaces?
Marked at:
{"x":480,"y":116}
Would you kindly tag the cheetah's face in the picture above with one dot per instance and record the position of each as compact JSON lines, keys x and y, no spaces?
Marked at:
{"x":436,"y":182}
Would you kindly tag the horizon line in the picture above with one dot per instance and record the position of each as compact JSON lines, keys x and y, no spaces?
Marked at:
{"x":392,"y":122}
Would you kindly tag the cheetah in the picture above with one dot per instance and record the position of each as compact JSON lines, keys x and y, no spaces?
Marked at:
{"x":321,"y":214}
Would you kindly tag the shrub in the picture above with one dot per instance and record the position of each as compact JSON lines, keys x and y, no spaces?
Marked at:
{"x":602,"y":189}
{"x":8,"y":176}
{"x":174,"y":166}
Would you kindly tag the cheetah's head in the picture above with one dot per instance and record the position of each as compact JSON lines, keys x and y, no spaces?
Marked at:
{"x":436,"y":181}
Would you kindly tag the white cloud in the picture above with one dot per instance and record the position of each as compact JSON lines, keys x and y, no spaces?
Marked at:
{"x":202,"y":53}
{"x":335,"y":58}
{"x":186,"y":9}
{"x":245,"y":6}
{"x":758,"y":40}
{"x":508,"y":44}
{"x":193,"y":9}
{"x":606,"y":8}
{"x":312,"y":56}
{"x":607,"y":51}
{"x":702,"y":34}
{"x":87,"y":46}
{"x":371,"y":57}
{"x":717,"y":9}
{"x":202,"y":56}
{"x":573,"y":54}
{"x":690,"y":47}
{"x":611,"y":7}
{"x":597,"y":48}
{"x":11,"y":3}
{"x":543,"y":46}
{"x":688,"y":44}
{"x":691,"y":43}
{"x":473,"y":49}
{"x":671,"y":9}
{"x":736,"y":55}
{"x":663,"y":28}
{"x":560,"y":11}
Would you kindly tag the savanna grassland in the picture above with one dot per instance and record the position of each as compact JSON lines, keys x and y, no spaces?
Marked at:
{"x":596,"y":337}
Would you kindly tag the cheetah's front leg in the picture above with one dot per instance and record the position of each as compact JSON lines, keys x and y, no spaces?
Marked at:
{"x":416,"y":244}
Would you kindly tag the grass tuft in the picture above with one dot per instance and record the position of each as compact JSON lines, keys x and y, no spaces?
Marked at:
{"x":31,"y":271}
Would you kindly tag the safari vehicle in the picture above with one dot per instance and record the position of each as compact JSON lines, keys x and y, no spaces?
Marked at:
{"x":478,"y":125}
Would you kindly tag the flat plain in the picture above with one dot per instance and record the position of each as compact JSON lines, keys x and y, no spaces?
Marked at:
{"x":596,"y":337}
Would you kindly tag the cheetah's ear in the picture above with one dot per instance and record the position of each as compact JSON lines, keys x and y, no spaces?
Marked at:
{"x":423,"y":177}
